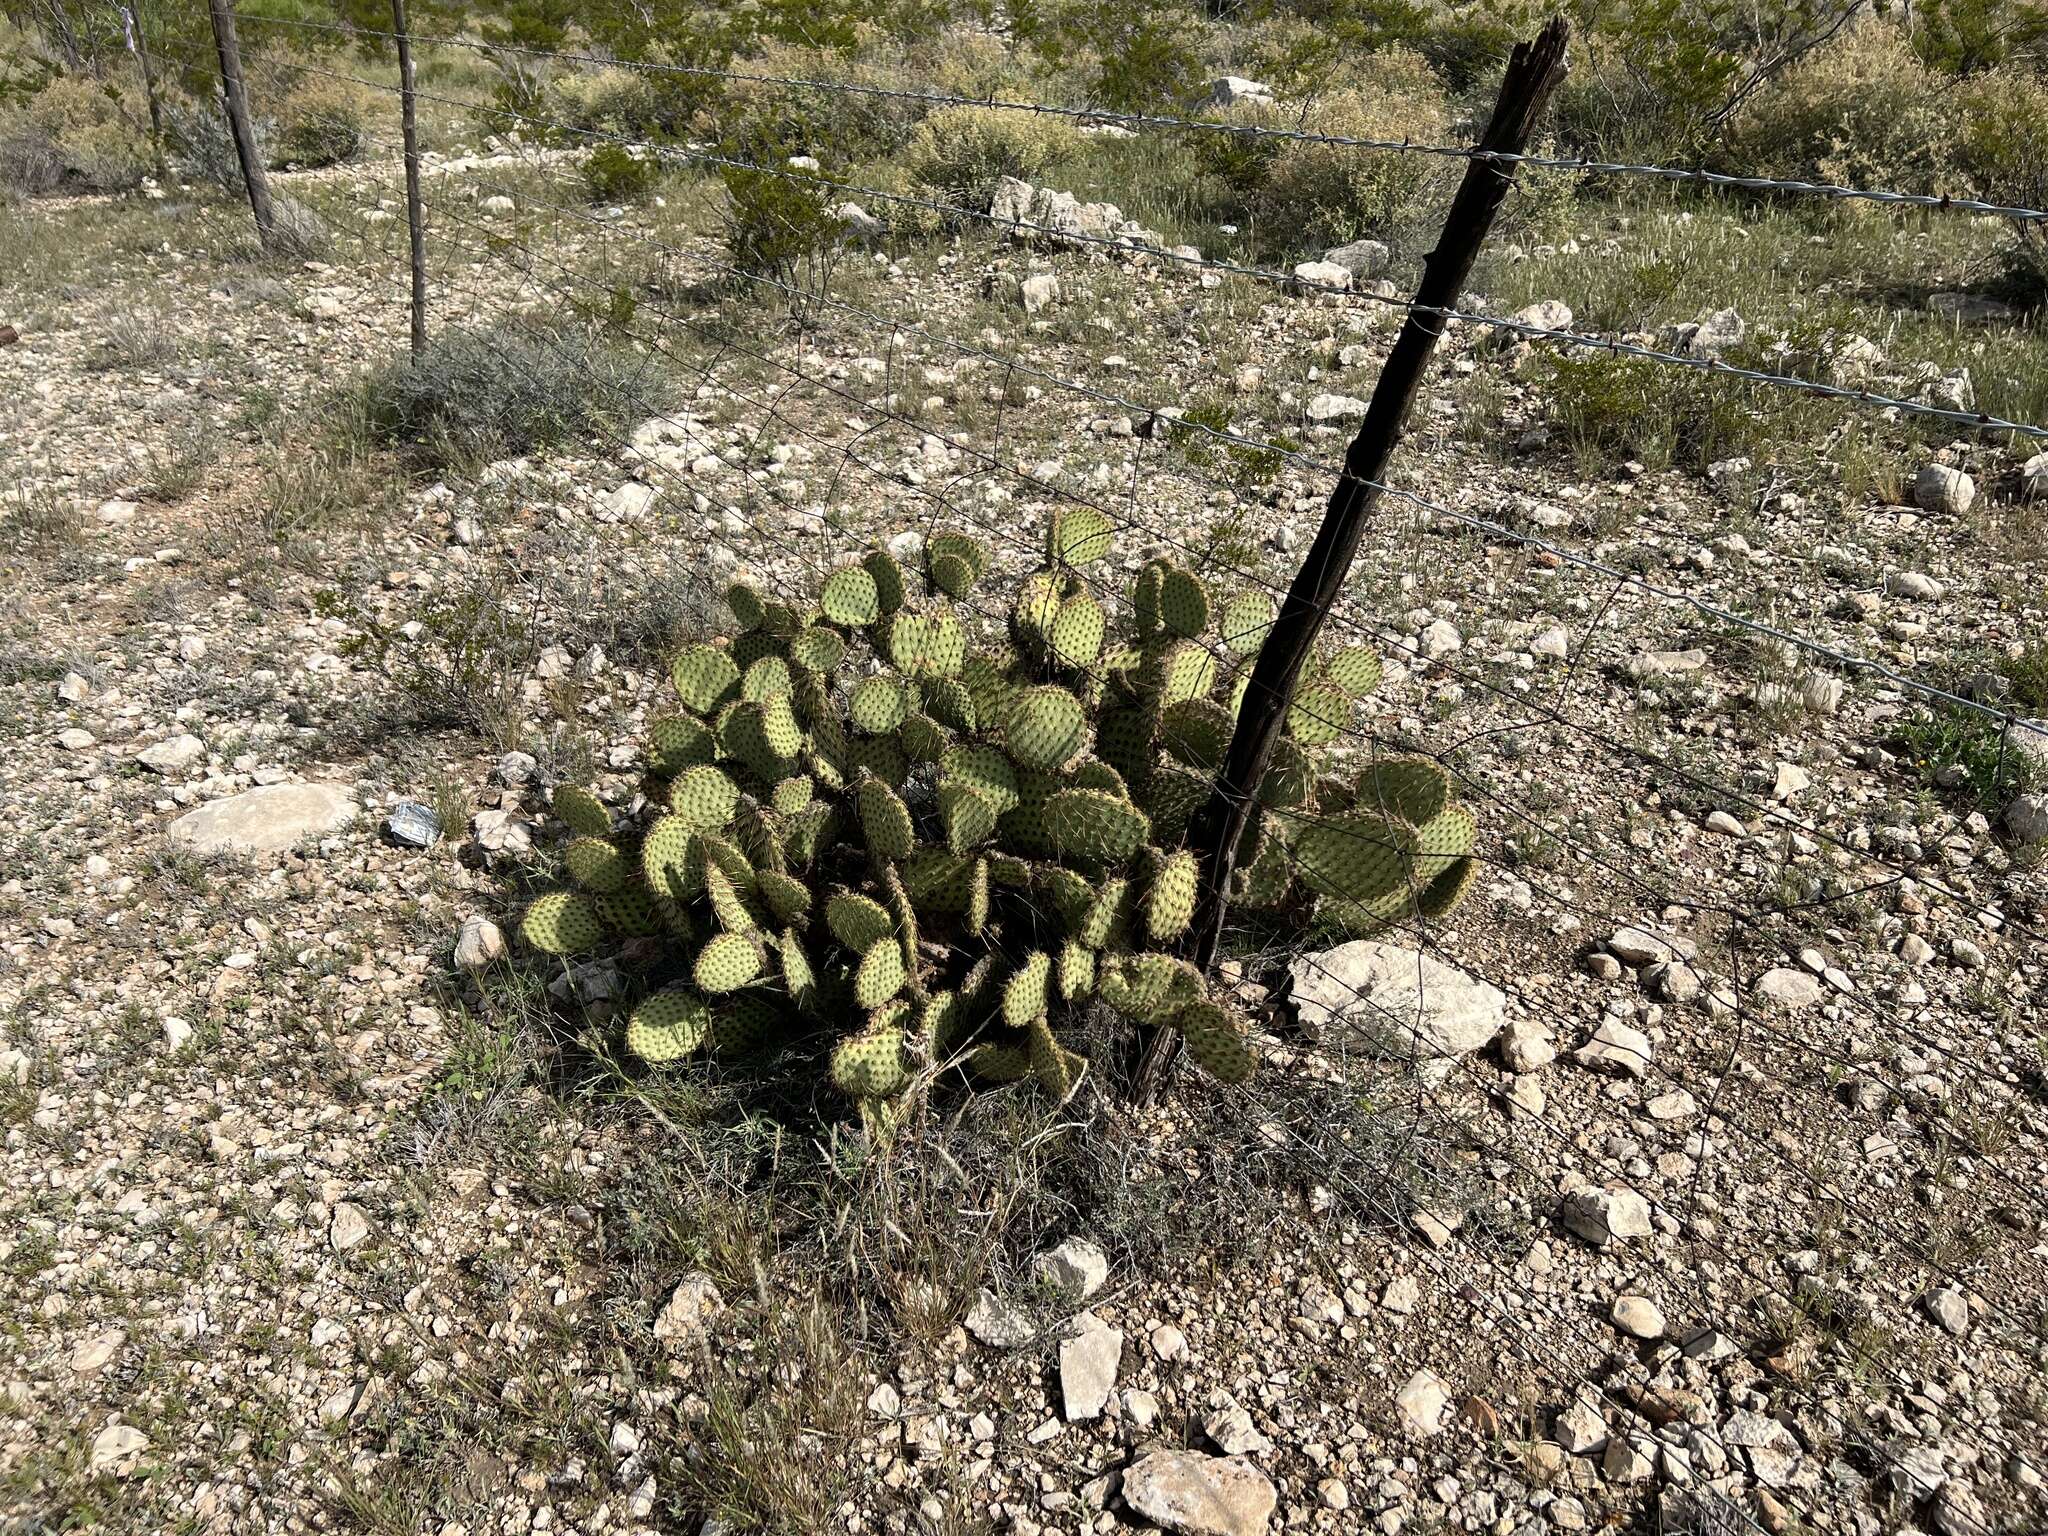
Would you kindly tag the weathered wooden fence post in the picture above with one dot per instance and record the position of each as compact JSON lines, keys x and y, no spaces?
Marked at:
{"x":1532,"y":75}
{"x":229,"y":47}
{"x":415,"y":212}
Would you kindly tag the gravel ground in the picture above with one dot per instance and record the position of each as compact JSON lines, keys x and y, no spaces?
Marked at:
{"x":1723,"y":1210}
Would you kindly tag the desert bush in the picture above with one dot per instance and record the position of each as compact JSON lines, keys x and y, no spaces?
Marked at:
{"x":639,"y":103}
{"x":859,"y":814}
{"x":610,"y":100}
{"x":612,"y":173}
{"x":1966,"y":37}
{"x":320,"y":122}
{"x":1861,"y":111}
{"x":2003,"y":150}
{"x":1130,"y":57}
{"x":297,"y":233}
{"x":1615,"y":408}
{"x":203,"y":147}
{"x":958,"y":154}
{"x":509,"y":387}
{"x":74,"y":132}
{"x":853,"y":125}
{"x":779,"y":227}
{"x":1329,"y":193}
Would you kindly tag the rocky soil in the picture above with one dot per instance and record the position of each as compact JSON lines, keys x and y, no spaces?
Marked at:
{"x":1693,"y":1175}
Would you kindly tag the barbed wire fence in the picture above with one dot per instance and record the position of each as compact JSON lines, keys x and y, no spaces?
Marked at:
{"x":1892,"y":1081}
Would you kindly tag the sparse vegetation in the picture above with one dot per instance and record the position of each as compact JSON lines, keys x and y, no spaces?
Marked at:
{"x":330,"y":1198}
{"x":497,"y":390}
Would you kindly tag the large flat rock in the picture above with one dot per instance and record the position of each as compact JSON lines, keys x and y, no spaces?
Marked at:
{"x":265,"y":820}
{"x":1395,"y":1002}
{"x":1197,"y":1495}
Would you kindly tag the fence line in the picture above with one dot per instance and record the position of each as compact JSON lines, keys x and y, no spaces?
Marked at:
{"x":1975,"y":420}
{"x":1360,"y":626}
{"x":1733,"y":796}
{"x":1104,"y":115}
{"x":1850,"y":660}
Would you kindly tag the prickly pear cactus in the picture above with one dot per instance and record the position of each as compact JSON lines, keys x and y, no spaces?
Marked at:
{"x":924,"y":826}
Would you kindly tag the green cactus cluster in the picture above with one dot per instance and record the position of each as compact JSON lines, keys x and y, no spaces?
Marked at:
{"x":927,"y":838}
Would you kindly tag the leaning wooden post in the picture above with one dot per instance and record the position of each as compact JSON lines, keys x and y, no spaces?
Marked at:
{"x":1218,"y":829}
{"x":415,"y":213}
{"x":229,"y":48}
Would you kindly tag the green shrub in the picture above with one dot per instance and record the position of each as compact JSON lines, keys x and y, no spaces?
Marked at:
{"x":1861,"y":111}
{"x":779,"y":228}
{"x":1645,"y":82}
{"x":483,"y":391}
{"x":321,"y":122}
{"x":201,"y":145}
{"x":78,"y":133}
{"x":888,"y":853}
{"x":2003,"y":151}
{"x":1610,"y":407}
{"x":958,"y":154}
{"x":635,"y":103}
{"x":612,"y":173}
{"x":1331,"y":193}
{"x":1966,"y":37}
{"x":854,"y":125}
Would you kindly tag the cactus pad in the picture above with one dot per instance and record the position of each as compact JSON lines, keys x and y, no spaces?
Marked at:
{"x":562,"y":923}
{"x":1044,"y":727}
{"x":669,"y":861}
{"x":1025,"y":993}
{"x":675,"y":742}
{"x":1148,"y":988}
{"x":582,"y":811}
{"x":1076,"y":970}
{"x":877,"y":705}
{"x":703,"y":798}
{"x":668,"y":1026}
{"x":859,"y":922}
{"x":1318,"y":713}
{"x":1244,"y":623}
{"x":1416,"y":789}
{"x":1216,"y":1041}
{"x":1183,"y":602}
{"x":884,"y":820}
{"x":1354,"y":671}
{"x":870,"y":1065}
{"x":1197,"y":731}
{"x":1059,"y":1071}
{"x":1075,"y":635}
{"x":798,"y":978}
{"x":744,"y":1025}
{"x":967,"y":817}
{"x":1357,"y":856}
{"x":749,"y":611}
{"x":849,"y":597}
{"x":1090,"y":824}
{"x":629,"y":910}
{"x":596,"y":864}
{"x":727,"y":962}
{"x":705,"y":678}
{"x":890,"y":591}
{"x":880,"y":975}
{"x":1448,"y":888}
{"x":817,"y":649}
{"x":1077,"y":536}
{"x":765,"y":678}
{"x":1170,"y":903}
